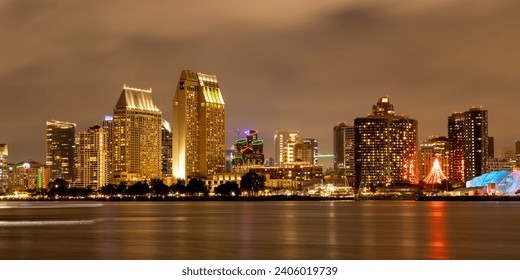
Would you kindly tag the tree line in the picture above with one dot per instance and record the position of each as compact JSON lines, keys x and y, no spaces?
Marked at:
{"x":251,"y":184}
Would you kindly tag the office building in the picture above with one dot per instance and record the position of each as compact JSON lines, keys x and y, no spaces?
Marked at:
{"x":136,"y":143}
{"x":107,"y":125}
{"x":198,"y":127}
{"x":4,"y":167}
{"x":475,"y":142}
{"x":248,"y":152}
{"x":456,"y":148}
{"x":386,"y":147}
{"x":305,"y":151}
{"x":166,"y":158}
{"x":60,"y":149}
{"x":284,"y":147}
{"x":343,"y":146}
{"x":28,"y":175}
{"x":91,"y":158}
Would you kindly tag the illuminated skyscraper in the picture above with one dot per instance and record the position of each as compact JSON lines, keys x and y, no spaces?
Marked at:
{"x":166,"y":161}
{"x":60,"y":149}
{"x":456,"y":148}
{"x":91,"y":158}
{"x":4,"y":167}
{"x":107,"y":125}
{"x":468,"y":145}
{"x":343,"y":139}
{"x":433,"y":149}
{"x":248,"y":152}
{"x":198,"y":127}
{"x":305,"y":151}
{"x":386,"y":147}
{"x":136,"y":147}
{"x":284,"y":147}
{"x":475,"y":142}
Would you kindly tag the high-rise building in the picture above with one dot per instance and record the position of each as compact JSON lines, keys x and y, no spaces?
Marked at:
{"x":343,"y":138}
{"x":166,"y":161}
{"x":248,"y":152}
{"x":136,"y":147}
{"x":107,"y":125}
{"x":432,"y":149}
{"x":91,"y":158}
{"x":468,"y":145}
{"x":491,"y":147}
{"x":199,"y":126}
{"x":386,"y":147}
{"x":456,"y":148}
{"x":4,"y":167}
{"x":284,"y":147}
{"x":60,"y":149}
{"x":475,"y":142}
{"x":315,"y":153}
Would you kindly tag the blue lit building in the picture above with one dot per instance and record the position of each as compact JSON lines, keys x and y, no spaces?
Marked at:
{"x":499,"y":182}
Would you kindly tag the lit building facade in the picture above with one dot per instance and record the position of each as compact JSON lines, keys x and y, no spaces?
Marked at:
{"x":248,"y":152}
{"x":136,"y":147}
{"x":108,"y":125}
{"x":386,"y":147}
{"x":431,"y":149}
{"x":343,"y":145}
{"x":60,"y":149}
{"x":305,"y":151}
{"x":456,"y":148}
{"x":166,"y":159}
{"x":91,"y":158}
{"x":475,"y":142}
{"x":4,"y":167}
{"x":29,"y":175}
{"x":198,"y":127}
{"x":284,"y":147}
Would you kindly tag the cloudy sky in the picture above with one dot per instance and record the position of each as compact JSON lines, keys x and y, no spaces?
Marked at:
{"x":282,"y":65}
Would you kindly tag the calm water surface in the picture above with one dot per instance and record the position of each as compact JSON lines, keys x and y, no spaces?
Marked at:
{"x":260,"y":230}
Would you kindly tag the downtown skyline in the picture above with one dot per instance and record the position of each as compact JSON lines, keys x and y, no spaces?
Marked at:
{"x":432,"y":59}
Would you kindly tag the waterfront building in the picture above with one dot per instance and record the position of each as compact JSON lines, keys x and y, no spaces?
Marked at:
{"x":284,"y":147}
{"x":432,"y":149}
{"x":4,"y":167}
{"x":91,"y":158}
{"x":297,"y":173}
{"x":198,"y":127}
{"x":60,"y":149}
{"x":166,"y":151}
{"x":499,"y":182}
{"x":343,"y":146}
{"x":386,"y":147}
{"x":315,"y":152}
{"x":28,"y":175}
{"x":136,"y":153}
{"x":475,"y":142}
{"x":456,"y":148}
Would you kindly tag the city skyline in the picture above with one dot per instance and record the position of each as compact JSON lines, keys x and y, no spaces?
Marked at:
{"x":430,"y":58}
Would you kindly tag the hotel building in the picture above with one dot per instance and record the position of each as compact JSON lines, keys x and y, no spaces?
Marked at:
{"x":386,"y":147}
{"x":198,"y":127}
{"x":136,"y":143}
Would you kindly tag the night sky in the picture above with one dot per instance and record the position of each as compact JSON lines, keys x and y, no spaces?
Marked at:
{"x":281,"y":65}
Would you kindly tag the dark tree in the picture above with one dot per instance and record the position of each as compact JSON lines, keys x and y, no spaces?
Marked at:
{"x":196,"y":186}
{"x":228,"y":188}
{"x":138,"y":188}
{"x":179,"y":187}
{"x":159,"y":188}
{"x":252,"y":182}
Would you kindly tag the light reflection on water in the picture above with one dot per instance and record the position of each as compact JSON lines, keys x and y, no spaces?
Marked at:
{"x":260,"y":230}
